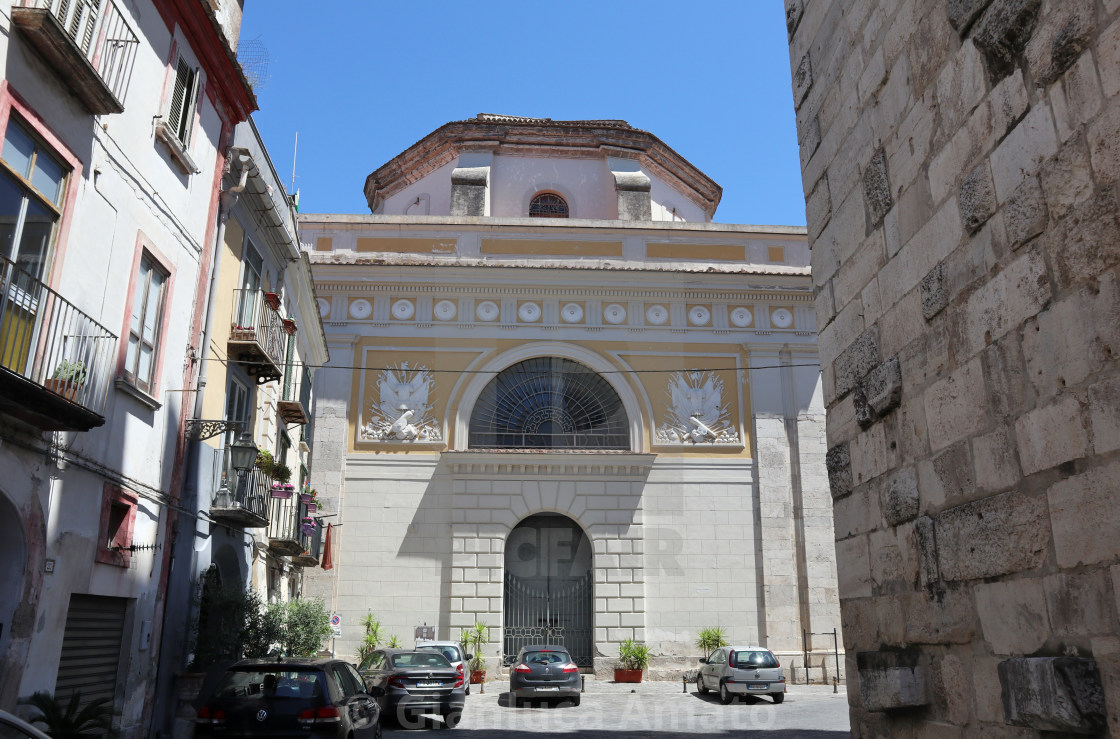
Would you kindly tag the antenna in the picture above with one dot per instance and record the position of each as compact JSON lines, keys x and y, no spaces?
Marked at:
{"x":295,"y":151}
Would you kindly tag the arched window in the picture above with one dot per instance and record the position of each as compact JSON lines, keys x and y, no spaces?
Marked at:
{"x":548,"y":205}
{"x":549,"y":403}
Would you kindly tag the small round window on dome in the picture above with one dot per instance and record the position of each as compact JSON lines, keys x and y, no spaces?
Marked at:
{"x":548,"y":205}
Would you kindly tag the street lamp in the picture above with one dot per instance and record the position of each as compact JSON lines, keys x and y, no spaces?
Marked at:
{"x":243,"y":453}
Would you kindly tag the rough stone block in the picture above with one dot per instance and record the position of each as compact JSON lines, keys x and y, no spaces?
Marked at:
{"x":1104,"y":146}
{"x":1063,"y":33}
{"x":859,"y":358}
{"x":1066,"y":177}
{"x":1079,"y":603}
{"x":794,"y":10}
{"x":838,"y":462}
{"x":947,"y":477}
{"x":1013,"y":616}
{"x":1024,"y":215}
{"x":939,"y":615}
{"x":802,"y":79}
{"x":1076,"y":99}
{"x":925,"y":539}
{"x":1108,"y":59}
{"x":1053,"y":694}
{"x":883,"y":386}
{"x":957,"y":406}
{"x":818,"y":208}
{"x":891,"y":680}
{"x":995,"y":462}
{"x":809,"y":140}
{"x":468,"y":190}
{"x":1002,"y":33}
{"x":1083,"y":244}
{"x":1051,"y":435}
{"x":1085,"y":503}
{"x":1104,"y":399}
{"x":900,"y":499}
{"x":977,"y":198}
{"x":962,"y":13}
{"x":1023,"y":150}
{"x":877,"y":189}
{"x":1017,"y":292}
{"x":999,"y":535}
{"x":853,"y":567}
{"x":935,"y":291}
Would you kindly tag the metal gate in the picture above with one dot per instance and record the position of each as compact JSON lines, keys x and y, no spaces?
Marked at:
{"x":549,"y":588}
{"x":552,"y":615}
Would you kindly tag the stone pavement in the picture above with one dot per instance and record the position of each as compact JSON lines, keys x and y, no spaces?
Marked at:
{"x":660,"y":709}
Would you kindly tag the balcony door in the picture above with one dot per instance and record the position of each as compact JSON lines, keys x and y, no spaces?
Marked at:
{"x":253,"y":265}
{"x":31,"y":189}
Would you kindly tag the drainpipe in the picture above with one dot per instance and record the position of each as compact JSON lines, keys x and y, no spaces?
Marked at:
{"x":227,"y":200}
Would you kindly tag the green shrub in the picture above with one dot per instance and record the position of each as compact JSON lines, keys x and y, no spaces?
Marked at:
{"x":472,"y":640}
{"x":633,"y":655}
{"x":711,"y":638}
{"x":73,"y":720}
{"x":307,"y":624}
{"x":370,"y":641}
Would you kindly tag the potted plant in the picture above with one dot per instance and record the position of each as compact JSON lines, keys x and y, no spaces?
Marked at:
{"x":370,"y":642}
{"x":307,"y":525}
{"x":289,"y":325}
{"x":472,"y":640}
{"x":68,"y":377}
{"x":273,"y":300}
{"x":309,"y":496}
{"x":633,"y":657}
{"x":282,"y":473}
{"x":265,"y":462}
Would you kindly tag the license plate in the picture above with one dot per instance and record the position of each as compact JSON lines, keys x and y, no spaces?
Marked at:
{"x":758,"y":686}
{"x":544,"y":689}
{"x":429,"y":685}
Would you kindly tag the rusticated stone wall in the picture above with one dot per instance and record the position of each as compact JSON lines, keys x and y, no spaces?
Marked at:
{"x":960,"y":162}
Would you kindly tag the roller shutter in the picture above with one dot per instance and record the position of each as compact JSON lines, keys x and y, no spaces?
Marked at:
{"x":91,"y":647}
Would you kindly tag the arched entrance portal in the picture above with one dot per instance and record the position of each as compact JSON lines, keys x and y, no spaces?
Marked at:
{"x":549,"y":587}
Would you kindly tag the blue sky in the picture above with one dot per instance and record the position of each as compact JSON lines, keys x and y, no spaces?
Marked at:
{"x":361,"y":80}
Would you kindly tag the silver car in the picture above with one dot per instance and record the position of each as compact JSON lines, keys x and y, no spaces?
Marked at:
{"x":740,"y":671}
{"x":452,"y":651}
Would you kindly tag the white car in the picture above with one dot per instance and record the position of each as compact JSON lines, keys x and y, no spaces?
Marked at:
{"x":453,"y":651}
{"x":740,"y":671}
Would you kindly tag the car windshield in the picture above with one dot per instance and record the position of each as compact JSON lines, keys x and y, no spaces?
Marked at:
{"x":280,"y":683}
{"x":546,"y":658}
{"x":448,"y":651}
{"x":419,"y":659}
{"x":755,"y":659}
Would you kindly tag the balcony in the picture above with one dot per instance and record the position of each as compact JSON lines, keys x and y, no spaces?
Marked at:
{"x":312,"y":552}
{"x":256,"y":338}
{"x":296,"y":404}
{"x":55,"y":361}
{"x":92,"y":53}
{"x":284,"y":535}
{"x":240,"y":501}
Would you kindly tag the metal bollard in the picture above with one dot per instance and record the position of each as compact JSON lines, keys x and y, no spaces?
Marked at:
{"x":835,"y":684}
{"x":482,"y":686}
{"x":684,"y":682}
{"x":583,"y":683}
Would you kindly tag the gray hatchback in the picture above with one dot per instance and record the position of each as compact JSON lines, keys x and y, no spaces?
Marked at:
{"x":544,"y":672}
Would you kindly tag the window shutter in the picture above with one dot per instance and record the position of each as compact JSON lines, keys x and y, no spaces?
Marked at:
{"x":177,"y":112}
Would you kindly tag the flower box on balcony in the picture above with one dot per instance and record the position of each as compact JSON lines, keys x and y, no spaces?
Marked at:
{"x":243,"y":333}
{"x":64,"y":388}
{"x":312,"y":506}
{"x":283,"y":492}
{"x":289,"y":326}
{"x":307,"y":528}
{"x":273,"y":300}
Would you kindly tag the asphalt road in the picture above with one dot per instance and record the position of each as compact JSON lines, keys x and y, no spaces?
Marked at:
{"x":653,"y":709}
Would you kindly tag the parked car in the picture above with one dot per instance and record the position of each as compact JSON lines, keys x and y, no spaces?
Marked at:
{"x":409,"y":683}
{"x":453,"y":651}
{"x":544,"y":672}
{"x":290,"y":697}
{"x":739,"y":671}
{"x":13,"y":727}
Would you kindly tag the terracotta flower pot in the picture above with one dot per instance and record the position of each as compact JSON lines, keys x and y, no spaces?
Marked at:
{"x":273,"y":300}
{"x":66,"y":389}
{"x":289,"y":325}
{"x":478,"y":676}
{"x":627,"y":676}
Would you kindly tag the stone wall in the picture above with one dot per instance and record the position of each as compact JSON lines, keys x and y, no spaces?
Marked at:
{"x":960,"y":161}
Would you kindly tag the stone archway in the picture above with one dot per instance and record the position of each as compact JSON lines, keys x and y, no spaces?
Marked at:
{"x":13,"y":557}
{"x":548,"y":593}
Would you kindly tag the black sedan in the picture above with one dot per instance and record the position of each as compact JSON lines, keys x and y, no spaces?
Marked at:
{"x":290,"y":698}
{"x":544,"y":672}
{"x":408,"y":683}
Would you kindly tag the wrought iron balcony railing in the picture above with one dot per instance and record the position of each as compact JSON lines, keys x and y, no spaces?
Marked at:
{"x":312,"y":552}
{"x":295,"y":406}
{"x":257,"y":338}
{"x":283,"y":525}
{"x":48,"y":344}
{"x":241,"y":499}
{"x":89,"y":44}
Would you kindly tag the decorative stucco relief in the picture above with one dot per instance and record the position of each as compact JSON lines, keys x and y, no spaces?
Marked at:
{"x":696,"y":411}
{"x":401,"y":411}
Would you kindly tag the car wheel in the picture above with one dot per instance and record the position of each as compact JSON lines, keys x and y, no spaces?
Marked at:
{"x":575,"y":700}
{"x":451,"y":720}
{"x":377,"y":731}
{"x":725,"y":695}
{"x":700,"y":686}
{"x":778,"y":697}
{"x":468,"y":689}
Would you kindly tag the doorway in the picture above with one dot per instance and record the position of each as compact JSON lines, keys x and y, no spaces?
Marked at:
{"x":549,"y":588}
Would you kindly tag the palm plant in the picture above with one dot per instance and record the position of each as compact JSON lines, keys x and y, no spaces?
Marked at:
{"x":633,"y":655}
{"x":711,"y":638}
{"x":472,"y":640}
{"x":72,"y":720}
{"x":394,"y":642}
{"x":370,"y":641}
